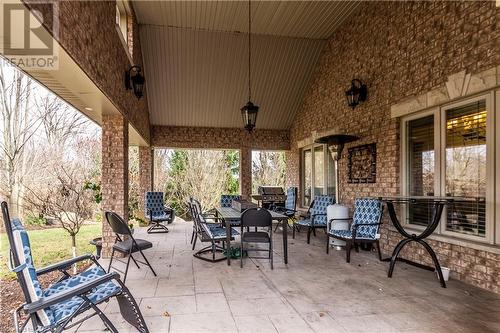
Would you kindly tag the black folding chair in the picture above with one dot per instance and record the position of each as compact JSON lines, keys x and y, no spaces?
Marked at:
{"x":72,"y":299}
{"x":258,"y":218}
{"x":127,"y":245}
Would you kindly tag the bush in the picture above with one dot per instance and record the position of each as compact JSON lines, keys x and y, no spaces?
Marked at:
{"x":35,"y":220}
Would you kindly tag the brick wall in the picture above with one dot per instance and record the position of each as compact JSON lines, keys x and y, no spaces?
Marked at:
{"x":114,"y":174}
{"x":399,"y":50}
{"x":87,"y":31}
{"x":145,"y":175}
{"x":219,"y":138}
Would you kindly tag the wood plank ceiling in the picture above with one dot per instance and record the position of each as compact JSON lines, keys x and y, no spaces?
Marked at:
{"x":195,"y":58}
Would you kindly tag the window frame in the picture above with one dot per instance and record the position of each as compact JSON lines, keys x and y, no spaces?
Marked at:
{"x":492,"y":232}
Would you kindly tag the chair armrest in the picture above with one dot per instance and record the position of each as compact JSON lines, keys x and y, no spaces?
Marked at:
{"x":85,"y":287}
{"x":66,"y":264}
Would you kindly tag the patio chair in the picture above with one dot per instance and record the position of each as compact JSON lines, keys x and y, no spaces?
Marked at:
{"x":258,"y":218}
{"x":364,"y":227}
{"x":63,"y":304}
{"x":157,"y":213}
{"x":208,"y":231}
{"x":207,"y":215}
{"x":289,"y":208}
{"x":226,"y":200}
{"x":317,"y":218}
{"x":127,"y":245}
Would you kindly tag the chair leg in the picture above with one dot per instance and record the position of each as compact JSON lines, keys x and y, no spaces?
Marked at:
{"x":277,"y":225}
{"x":126,"y":268}
{"x":109,"y":325}
{"x":378,"y":250}
{"x":314,"y":232}
{"x":293,"y":231}
{"x":271,"y":253}
{"x":111,"y":260}
{"x":147,"y":262}
{"x":356,"y":247}
{"x":327,"y":243}
{"x":195,"y":238}
{"x":309,"y":234}
{"x":241,"y":254}
{"x":135,"y":262}
{"x":348,"y":251}
{"x":192,"y":237}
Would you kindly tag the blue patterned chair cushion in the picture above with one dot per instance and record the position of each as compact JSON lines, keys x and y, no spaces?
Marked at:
{"x":226,"y":200}
{"x":215,"y":231}
{"x":23,"y":250}
{"x":162,"y":217}
{"x":367,"y":211}
{"x":64,"y":309}
{"x":318,"y":209}
{"x":290,"y":198}
{"x":307,"y":222}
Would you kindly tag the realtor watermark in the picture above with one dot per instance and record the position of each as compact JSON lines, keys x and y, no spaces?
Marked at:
{"x":29,"y":36}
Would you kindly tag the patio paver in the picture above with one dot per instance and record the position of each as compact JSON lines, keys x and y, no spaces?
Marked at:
{"x":315,"y":292}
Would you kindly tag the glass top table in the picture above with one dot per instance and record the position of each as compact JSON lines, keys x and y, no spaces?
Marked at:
{"x":228,"y":214}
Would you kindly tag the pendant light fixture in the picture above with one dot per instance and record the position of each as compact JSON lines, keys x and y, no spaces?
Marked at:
{"x":250,"y":110}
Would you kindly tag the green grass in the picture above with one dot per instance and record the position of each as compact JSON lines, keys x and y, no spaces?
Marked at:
{"x":49,"y":246}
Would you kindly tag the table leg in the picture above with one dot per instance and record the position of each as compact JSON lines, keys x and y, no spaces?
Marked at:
{"x":438,"y":210}
{"x":285,"y":240}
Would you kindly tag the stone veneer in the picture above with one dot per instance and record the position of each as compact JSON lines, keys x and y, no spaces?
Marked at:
{"x":223,"y":138}
{"x":400,"y":50}
{"x":114,"y":177}
{"x":87,"y":31}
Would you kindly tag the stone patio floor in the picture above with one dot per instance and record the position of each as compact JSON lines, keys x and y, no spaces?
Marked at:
{"x":315,"y":292}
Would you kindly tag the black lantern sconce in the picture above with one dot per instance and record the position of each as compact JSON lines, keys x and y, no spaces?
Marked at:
{"x":135,"y":82}
{"x":357,"y":93}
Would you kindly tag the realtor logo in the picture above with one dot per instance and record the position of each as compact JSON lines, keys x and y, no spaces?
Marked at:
{"x":29,"y":36}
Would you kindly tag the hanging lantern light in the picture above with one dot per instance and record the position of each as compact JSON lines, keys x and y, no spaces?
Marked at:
{"x":249,"y":111}
{"x":135,"y":82}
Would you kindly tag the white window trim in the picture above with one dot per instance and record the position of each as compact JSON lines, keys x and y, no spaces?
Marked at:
{"x":492,"y":235}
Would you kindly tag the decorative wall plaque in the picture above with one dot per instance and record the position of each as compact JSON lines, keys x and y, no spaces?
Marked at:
{"x":362,"y":164}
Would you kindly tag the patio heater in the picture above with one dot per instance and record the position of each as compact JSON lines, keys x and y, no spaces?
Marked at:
{"x":335,"y":144}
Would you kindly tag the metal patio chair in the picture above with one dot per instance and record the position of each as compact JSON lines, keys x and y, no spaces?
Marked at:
{"x":317,"y":218}
{"x":157,"y":213}
{"x":258,"y":218}
{"x":126,"y":244}
{"x":364,"y":227}
{"x":63,"y":304}
{"x":289,"y":209}
{"x":208,"y":229}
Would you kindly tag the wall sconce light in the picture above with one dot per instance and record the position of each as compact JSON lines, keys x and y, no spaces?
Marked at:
{"x":135,"y":82}
{"x":357,"y":93}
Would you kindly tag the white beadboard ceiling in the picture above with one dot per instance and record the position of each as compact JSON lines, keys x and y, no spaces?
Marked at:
{"x":195,"y":58}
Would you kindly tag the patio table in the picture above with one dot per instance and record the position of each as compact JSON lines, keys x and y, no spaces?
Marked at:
{"x":229,"y":214}
{"x":439,"y":204}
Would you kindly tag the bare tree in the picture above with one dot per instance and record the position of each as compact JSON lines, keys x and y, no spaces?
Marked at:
{"x":268,"y":168}
{"x":18,"y":126}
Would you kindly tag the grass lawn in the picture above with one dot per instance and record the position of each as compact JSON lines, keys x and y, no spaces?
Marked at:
{"x":50,"y":245}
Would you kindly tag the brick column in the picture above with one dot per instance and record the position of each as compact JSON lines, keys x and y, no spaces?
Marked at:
{"x":114,"y":178}
{"x":246,"y":172}
{"x":145,"y":175}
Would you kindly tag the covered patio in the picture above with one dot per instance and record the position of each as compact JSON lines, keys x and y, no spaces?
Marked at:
{"x":315,"y":292}
{"x":431,"y":71}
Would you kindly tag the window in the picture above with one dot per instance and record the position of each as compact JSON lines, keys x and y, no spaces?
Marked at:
{"x":318,"y":173}
{"x":446,"y":152}
{"x":121,"y":19}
